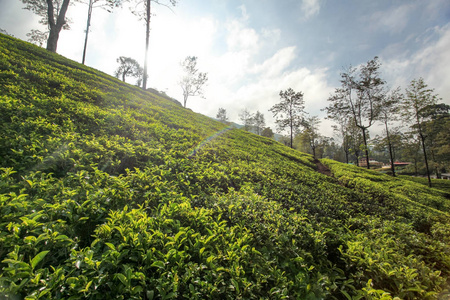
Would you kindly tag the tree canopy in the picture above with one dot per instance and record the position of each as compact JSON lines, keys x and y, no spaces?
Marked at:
{"x":246,"y":118}
{"x":414,"y":107}
{"x":289,"y":112}
{"x":192,"y":81}
{"x":128,"y":67}
{"x":259,"y":122}
{"x":53,"y":13}
{"x":222,"y":115}
{"x":359,"y":97}
{"x":267,"y":132}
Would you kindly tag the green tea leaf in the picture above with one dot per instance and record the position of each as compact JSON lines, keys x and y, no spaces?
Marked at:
{"x":235,"y":284}
{"x":111,"y":246}
{"x":40,"y":256}
{"x":158,"y":264}
{"x":62,"y":237}
{"x":122,"y":278}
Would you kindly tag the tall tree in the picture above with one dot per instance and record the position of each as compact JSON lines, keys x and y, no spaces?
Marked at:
{"x":143,"y":11}
{"x":53,"y":13}
{"x":443,"y":145}
{"x":267,"y":132}
{"x":332,"y":150}
{"x":356,"y":141}
{"x":341,"y":129}
{"x":410,"y":150}
{"x":443,"y":140}
{"x":285,"y":140}
{"x":342,"y":120}
{"x":387,"y":145}
{"x":417,"y":97}
{"x":246,"y":119}
{"x":388,"y":113}
{"x":88,"y":24}
{"x":127,"y":67}
{"x":436,"y":128}
{"x":192,"y":81}
{"x":108,"y":5}
{"x":259,"y":122}
{"x":359,"y":97}
{"x":222,"y":115}
{"x":289,"y":113}
{"x":311,"y":133}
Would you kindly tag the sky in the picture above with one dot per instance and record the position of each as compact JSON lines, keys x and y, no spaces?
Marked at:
{"x":253,"y":49}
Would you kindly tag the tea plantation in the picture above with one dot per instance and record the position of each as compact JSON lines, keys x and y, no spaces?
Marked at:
{"x":111,"y":192}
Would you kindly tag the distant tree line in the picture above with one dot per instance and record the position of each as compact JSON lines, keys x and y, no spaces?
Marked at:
{"x":415,"y":125}
{"x":251,"y":122}
{"x":363,"y":99}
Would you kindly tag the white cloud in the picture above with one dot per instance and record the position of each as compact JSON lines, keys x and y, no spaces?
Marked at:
{"x":71,"y":43}
{"x":238,"y":80}
{"x":16,"y":20}
{"x":433,"y":62}
{"x":310,"y":8}
{"x":432,"y":9}
{"x":272,"y":36}
{"x":264,"y":93}
{"x":392,"y":20}
{"x":430,"y":61}
{"x":245,"y":15}
{"x":275,"y":65}
{"x":241,"y":38}
{"x":270,"y":77}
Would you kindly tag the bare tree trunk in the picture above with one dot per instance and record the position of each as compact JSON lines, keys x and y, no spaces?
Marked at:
{"x":416,"y":169}
{"x":55,"y":27}
{"x":357,"y":157}
{"x":365,"y":146}
{"x":52,"y":41}
{"x":291,"y":142}
{"x":392,"y":160}
{"x":433,"y":157}
{"x":147,"y":37}
{"x":391,"y":154}
{"x":292,"y":131}
{"x":422,"y":139}
{"x":87,"y":30}
{"x":345,"y":147}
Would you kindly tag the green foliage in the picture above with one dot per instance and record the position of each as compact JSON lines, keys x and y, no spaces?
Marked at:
{"x":440,"y":184}
{"x":106,"y":189}
{"x":128,"y":67}
{"x":289,"y":113}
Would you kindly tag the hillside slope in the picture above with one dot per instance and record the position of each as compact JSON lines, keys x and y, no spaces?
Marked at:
{"x":106,"y":189}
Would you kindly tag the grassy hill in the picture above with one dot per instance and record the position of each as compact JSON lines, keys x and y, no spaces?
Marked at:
{"x":108,"y":191}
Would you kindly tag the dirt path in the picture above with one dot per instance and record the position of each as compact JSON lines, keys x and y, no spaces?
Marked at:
{"x":321,"y":168}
